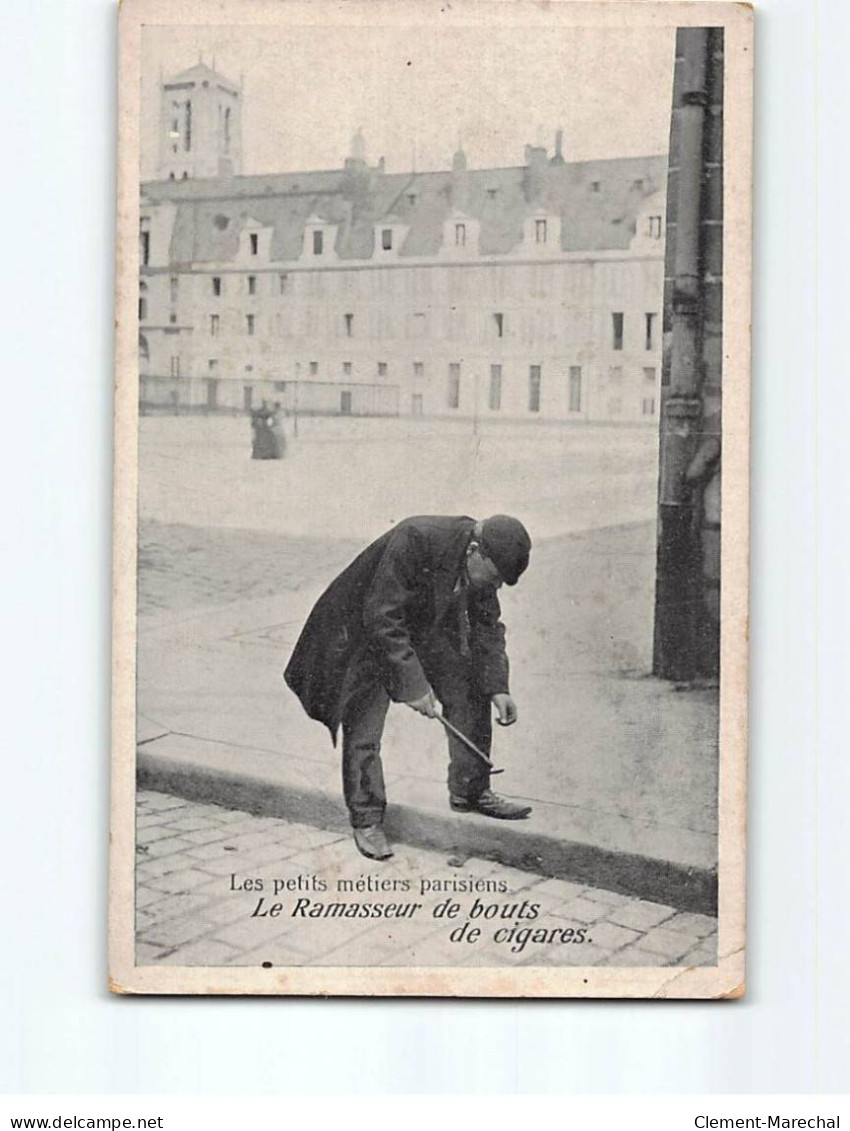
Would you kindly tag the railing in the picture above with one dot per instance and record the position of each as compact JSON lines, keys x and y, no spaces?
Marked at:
{"x":228,"y":396}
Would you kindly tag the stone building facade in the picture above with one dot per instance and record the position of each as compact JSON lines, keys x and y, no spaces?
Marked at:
{"x":530,"y":292}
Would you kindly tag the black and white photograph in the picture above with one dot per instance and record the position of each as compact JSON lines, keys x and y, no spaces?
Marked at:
{"x":431,"y":516}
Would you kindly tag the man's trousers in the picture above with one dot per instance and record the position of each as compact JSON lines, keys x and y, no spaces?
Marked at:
{"x":366,"y":701}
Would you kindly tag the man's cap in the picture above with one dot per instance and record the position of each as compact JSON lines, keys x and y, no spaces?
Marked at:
{"x":506,"y":543}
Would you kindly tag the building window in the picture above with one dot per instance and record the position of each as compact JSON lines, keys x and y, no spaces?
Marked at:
{"x":649,"y":406}
{"x":575,"y":388}
{"x":212,"y":366}
{"x":650,"y":331}
{"x":491,"y":193}
{"x":145,"y":249}
{"x":254,"y":242}
{"x":214,"y":325}
{"x":346,"y":369}
{"x":382,"y":369}
{"x":595,"y":186}
{"x":349,"y":325}
{"x":216,"y":286}
{"x":144,"y":349}
{"x":495,"y":400}
{"x":534,"y":388}
{"x":418,"y":371}
{"x":252,"y":284}
{"x":249,"y":325}
{"x":314,"y":369}
{"x":453,"y":400}
{"x":172,"y":318}
{"x":499,"y":323}
{"x":387,"y":239}
{"x":653,"y":227}
{"x":173,"y":288}
{"x":540,"y":231}
{"x":649,"y":374}
{"x":617,"y":330}
{"x":282,"y":281}
{"x":175,"y":367}
{"x":318,"y":243}
{"x":460,"y":235}
{"x":143,"y":308}
{"x":187,"y":140}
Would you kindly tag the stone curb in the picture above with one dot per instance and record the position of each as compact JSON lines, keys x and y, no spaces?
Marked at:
{"x":313,"y":798}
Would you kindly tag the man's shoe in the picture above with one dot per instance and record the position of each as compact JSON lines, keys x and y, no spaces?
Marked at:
{"x":491,"y":805}
{"x":372,"y":842}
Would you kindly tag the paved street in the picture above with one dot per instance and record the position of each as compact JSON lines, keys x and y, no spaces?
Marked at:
{"x":192,"y":907}
{"x":234,"y":552}
{"x":348,"y":477}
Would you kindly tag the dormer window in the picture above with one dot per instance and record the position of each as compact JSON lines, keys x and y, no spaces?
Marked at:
{"x":387,"y":239}
{"x":491,"y":193}
{"x":411,"y":198}
{"x":319,"y":239}
{"x":461,"y":233}
{"x":595,"y":186}
{"x":653,"y":227}
{"x":540,"y":231}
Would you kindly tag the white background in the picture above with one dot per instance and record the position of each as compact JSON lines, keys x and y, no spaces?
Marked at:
{"x":60,"y":1030}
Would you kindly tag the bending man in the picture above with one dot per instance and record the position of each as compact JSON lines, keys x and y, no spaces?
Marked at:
{"x":415,"y":619}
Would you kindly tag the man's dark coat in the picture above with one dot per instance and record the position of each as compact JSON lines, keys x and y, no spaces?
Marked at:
{"x":402,"y":590}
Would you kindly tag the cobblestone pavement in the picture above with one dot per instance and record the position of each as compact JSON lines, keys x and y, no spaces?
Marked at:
{"x":188,"y":567}
{"x":198,"y":903}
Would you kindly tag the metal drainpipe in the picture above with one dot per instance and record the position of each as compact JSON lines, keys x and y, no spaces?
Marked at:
{"x":678,"y":564}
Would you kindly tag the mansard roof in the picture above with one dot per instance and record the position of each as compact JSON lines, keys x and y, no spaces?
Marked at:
{"x":597,"y":202}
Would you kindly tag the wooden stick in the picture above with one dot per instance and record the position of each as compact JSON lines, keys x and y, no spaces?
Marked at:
{"x":468,"y":743}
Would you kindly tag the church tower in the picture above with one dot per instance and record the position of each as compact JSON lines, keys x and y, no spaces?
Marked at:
{"x":200,"y":126}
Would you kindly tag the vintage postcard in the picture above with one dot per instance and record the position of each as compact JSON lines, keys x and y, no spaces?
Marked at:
{"x":431,"y":514}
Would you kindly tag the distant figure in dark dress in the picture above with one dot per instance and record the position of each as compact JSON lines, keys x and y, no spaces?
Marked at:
{"x":267,"y":438}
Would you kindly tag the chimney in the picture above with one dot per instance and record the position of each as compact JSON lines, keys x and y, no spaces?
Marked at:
{"x":558,"y":159}
{"x":535,"y":171}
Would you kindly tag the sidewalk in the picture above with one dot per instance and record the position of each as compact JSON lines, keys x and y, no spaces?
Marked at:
{"x":192,"y":857}
{"x":621,"y":768}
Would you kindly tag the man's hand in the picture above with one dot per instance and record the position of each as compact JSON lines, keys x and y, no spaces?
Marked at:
{"x":426,"y":706}
{"x":506,"y":707}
